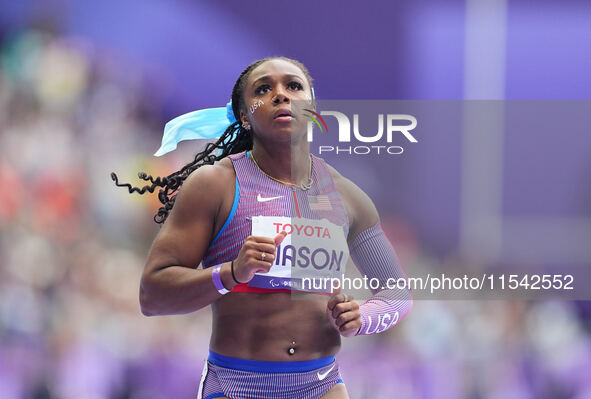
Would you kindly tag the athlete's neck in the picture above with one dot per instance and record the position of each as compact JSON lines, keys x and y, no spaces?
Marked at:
{"x":286,"y":163}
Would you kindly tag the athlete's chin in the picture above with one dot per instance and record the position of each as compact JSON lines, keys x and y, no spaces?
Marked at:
{"x":283,"y":129}
{"x":285,"y":134}
{"x":292,"y":124}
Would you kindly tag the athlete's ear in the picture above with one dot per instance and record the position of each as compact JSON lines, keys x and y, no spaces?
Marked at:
{"x":243,"y":118}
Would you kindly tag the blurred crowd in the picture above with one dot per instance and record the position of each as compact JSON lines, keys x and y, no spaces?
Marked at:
{"x":72,"y":249}
{"x":72,"y":244}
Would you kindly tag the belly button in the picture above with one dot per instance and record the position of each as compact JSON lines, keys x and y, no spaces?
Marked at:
{"x":291,"y":350}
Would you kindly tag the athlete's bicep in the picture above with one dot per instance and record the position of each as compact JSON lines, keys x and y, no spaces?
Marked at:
{"x":184,"y":237}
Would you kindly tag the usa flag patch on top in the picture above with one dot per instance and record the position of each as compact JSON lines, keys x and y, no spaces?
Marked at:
{"x":319,"y":203}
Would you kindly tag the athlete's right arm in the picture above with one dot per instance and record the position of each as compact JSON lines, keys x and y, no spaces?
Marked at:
{"x":171,"y":282}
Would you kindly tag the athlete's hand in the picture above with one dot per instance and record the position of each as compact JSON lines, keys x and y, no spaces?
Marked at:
{"x":250,"y":258}
{"x":343,"y":313}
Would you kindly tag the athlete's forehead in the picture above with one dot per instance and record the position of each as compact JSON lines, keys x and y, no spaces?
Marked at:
{"x":275,"y":69}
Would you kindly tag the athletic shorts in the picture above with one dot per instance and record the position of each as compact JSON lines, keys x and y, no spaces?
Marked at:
{"x":253,"y":379}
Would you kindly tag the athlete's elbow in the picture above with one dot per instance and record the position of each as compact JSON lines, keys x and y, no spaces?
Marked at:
{"x":146,"y":312}
{"x":145,"y":306}
{"x":148,"y":304}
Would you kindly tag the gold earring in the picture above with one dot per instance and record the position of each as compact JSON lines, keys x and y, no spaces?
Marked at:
{"x":246,"y":126}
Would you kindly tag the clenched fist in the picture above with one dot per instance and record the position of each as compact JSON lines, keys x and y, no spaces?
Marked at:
{"x":256,"y":256}
{"x":343,"y":313}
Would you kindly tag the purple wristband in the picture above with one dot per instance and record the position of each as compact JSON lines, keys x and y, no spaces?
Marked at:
{"x":217,"y":280}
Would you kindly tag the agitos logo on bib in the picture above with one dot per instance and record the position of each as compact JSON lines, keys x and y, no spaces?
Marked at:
{"x":311,"y":249}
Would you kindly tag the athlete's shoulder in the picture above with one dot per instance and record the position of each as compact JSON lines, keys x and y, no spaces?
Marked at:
{"x":344,"y":186}
{"x":210,"y":176}
{"x":206,"y":186}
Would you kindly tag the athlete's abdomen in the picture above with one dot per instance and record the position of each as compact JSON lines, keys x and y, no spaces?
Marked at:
{"x":265,"y":327}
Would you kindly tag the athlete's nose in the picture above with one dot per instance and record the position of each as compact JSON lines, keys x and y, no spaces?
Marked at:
{"x":280,"y":97}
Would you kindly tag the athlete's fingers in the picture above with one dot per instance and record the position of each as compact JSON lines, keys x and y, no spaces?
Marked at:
{"x":335,"y":300}
{"x":262,"y":267}
{"x":253,"y":260}
{"x":260,"y":240}
{"x":347,"y":316}
{"x":344,"y":307}
{"x":337,"y":297}
{"x":279,"y":237}
{"x":256,"y":254}
{"x":351,"y":328}
{"x":346,"y":297}
{"x":262,"y":247}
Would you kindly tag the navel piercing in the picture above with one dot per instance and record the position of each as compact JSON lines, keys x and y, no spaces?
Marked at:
{"x":291,"y":350}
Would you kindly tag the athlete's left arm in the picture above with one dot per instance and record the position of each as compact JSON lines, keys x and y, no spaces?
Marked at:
{"x":375,"y":258}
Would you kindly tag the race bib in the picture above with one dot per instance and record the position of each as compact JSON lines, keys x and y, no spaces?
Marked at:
{"x":312,"y":249}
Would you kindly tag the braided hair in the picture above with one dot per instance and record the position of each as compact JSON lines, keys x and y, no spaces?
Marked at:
{"x":235,"y":139}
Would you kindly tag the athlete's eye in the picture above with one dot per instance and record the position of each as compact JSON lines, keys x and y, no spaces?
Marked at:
{"x":295,"y":85}
{"x":262,"y":89}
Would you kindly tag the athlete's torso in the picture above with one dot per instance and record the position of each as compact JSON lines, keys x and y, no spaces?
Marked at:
{"x":258,"y":195}
{"x":262,"y":324}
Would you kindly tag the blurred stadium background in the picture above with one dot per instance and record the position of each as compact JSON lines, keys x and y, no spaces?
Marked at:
{"x":86,"y":87}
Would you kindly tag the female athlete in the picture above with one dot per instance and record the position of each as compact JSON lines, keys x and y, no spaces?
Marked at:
{"x":265,"y":344}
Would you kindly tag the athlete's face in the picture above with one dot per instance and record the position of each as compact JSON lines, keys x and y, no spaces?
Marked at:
{"x":271,"y":91}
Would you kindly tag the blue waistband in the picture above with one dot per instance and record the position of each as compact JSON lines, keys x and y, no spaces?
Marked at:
{"x":268,"y":367}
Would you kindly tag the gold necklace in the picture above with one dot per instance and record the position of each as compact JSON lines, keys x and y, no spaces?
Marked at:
{"x":303,"y":186}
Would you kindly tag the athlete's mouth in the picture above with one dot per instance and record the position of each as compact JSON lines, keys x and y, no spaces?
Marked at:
{"x":283,"y":115}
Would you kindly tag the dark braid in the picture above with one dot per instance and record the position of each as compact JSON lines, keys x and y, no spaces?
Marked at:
{"x":235,"y":139}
